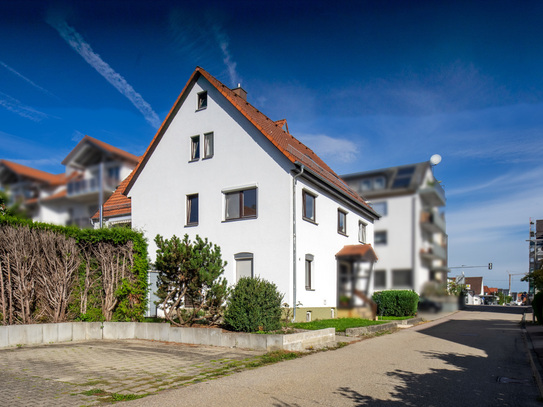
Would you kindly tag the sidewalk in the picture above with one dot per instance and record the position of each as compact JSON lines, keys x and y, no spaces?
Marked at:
{"x":534,"y":342}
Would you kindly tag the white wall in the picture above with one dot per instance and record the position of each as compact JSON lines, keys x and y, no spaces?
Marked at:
{"x":242,"y":157}
{"x":322,"y":240}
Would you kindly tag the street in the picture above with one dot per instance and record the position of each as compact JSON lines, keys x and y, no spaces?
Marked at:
{"x":474,"y":357}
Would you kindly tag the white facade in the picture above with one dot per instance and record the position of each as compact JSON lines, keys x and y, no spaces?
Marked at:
{"x":410,"y":238}
{"x":243,"y":159}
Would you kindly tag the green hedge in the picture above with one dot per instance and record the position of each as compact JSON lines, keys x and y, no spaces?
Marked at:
{"x":254,"y":305}
{"x":396,"y":303}
{"x":130,"y":292}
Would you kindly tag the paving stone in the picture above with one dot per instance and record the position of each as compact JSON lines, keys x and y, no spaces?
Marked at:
{"x":59,"y":374}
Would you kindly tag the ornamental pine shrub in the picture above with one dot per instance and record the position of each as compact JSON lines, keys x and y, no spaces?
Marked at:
{"x":254,"y":305}
{"x":396,"y":303}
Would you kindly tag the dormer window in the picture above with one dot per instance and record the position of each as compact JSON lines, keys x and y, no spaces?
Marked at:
{"x":202,"y":100}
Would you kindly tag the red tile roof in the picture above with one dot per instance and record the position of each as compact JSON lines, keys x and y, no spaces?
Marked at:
{"x":293,"y":149}
{"x":103,"y":146}
{"x":118,"y":204}
{"x":38,"y":175}
{"x":364,"y":251}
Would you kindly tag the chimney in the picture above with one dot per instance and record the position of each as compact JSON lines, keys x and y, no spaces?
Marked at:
{"x":240,"y":92}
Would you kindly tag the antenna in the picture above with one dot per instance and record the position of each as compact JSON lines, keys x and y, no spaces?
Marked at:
{"x":435,"y":159}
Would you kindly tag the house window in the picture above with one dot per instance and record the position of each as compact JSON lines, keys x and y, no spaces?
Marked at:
{"x":402,"y":278}
{"x":241,"y":204}
{"x":195,"y":148}
{"x":202,"y":100}
{"x":308,"y":212}
{"x":114,"y":173}
{"x":365,"y":184}
{"x":309,"y":280}
{"x":192,"y":210}
{"x":341,"y":222}
{"x":361,"y":232}
{"x":379,"y":183}
{"x":380,"y":237}
{"x":380,"y":208}
{"x":208,"y":145}
{"x":380,"y":279}
{"x":244,"y":265}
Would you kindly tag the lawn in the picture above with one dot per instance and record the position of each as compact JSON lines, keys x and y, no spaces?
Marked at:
{"x":339,"y":323}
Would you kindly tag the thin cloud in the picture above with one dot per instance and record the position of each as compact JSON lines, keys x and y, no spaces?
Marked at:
{"x":78,"y":44}
{"x":17,"y":107}
{"x":231,"y":65}
{"x":334,"y":149}
{"x":24,"y":78}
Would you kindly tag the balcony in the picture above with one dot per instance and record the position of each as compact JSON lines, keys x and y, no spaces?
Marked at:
{"x":433,"y":194}
{"x":432,"y":221}
{"x":90,"y":186}
{"x":433,"y":251}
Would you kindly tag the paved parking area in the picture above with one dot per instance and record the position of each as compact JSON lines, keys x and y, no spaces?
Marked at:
{"x":91,"y":373}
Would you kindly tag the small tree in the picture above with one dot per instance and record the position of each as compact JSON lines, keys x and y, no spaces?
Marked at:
{"x":254,"y":305}
{"x":189,"y":279}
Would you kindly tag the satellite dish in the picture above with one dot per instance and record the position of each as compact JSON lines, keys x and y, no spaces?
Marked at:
{"x":435,"y":159}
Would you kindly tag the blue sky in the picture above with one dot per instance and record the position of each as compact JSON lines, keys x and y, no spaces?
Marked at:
{"x":366,"y":84}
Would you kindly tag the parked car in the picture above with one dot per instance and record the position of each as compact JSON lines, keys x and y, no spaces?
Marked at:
{"x":427,"y":305}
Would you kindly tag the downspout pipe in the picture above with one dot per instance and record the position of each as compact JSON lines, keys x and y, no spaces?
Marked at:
{"x":294,"y":253}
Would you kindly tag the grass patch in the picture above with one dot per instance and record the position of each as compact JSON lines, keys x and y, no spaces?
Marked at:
{"x":341,"y":324}
{"x":274,"y":357}
{"x":94,"y":392}
{"x":125,"y":397}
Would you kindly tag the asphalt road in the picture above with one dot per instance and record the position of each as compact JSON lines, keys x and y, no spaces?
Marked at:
{"x":471,"y":358}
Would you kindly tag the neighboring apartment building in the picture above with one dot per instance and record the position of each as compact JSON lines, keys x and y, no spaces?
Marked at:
{"x":220,"y":169}
{"x":410,"y":238}
{"x":94,"y":169}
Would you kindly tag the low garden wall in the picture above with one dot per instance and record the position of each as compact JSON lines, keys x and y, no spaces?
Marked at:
{"x":366,"y":330}
{"x":17,"y":335}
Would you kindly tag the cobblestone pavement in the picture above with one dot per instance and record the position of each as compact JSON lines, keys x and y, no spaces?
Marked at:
{"x":91,"y":373}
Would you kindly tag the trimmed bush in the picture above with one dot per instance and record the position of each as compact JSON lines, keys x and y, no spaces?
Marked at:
{"x":254,"y":305}
{"x":537,"y":307}
{"x":396,"y":303}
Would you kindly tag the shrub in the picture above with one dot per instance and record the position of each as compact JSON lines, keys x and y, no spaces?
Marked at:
{"x":396,"y":303}
{"x":190,"y":283}
{"x":254,"y":305}
{"x":537,"y":306}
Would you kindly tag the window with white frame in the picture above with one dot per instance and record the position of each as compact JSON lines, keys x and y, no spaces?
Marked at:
{"x":341,"y":222}
{"x":208,"y":145}
{"x":195,"y":148}
{"x":379,"y":279}
{"x":308,"y":201}
{"x":241,"y":204}
{"x":192,"y":210}
{"x":202,"y":100}
{"x":362,"y":231}
{"x":309,"y":272}
{"x":244,"y":265}
{"x":402,"y":278}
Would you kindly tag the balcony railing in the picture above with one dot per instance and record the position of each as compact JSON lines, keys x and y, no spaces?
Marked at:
{"x":433,"y":193}
{"x":90,"y":185}
{"x":433,"y":221}
{"x":434,"y":251}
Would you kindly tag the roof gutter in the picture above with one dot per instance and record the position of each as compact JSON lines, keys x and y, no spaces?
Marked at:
{"x":294,"y":253}
{"x":334,"y":189}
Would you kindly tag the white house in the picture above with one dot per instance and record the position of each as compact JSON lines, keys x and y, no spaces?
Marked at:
{"x":410,"y":237}
{"x":94,"y":169}
{"x":220,"y":169}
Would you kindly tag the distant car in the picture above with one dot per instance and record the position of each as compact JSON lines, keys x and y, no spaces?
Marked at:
{"x":427,"y":305}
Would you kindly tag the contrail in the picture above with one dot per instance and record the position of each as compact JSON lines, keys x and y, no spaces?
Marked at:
{"x":15,"y":106}
{"x":76,"y":41}
{"x":13,"y":71}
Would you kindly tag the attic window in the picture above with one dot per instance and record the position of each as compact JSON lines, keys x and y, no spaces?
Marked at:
{"x":403,"y":177}
{"x":202,"y":100}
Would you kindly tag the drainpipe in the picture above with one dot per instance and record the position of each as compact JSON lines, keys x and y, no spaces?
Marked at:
{"x":101,"y":192}
{"x":294,"y":255}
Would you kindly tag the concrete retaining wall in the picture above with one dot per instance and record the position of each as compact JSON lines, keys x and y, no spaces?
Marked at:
{"x":16,"y":335}
{"x":360,"y":331}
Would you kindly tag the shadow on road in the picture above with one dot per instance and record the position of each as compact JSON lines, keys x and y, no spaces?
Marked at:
{"x":470,"y":378}
{"x":498,"y":309}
